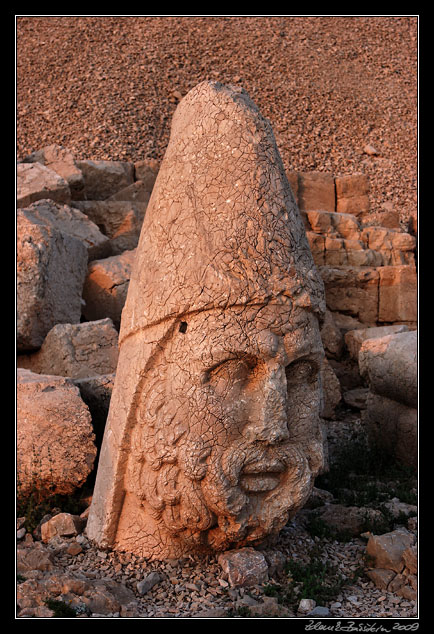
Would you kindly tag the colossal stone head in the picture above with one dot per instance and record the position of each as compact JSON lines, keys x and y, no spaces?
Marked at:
{"x":213,"y":437}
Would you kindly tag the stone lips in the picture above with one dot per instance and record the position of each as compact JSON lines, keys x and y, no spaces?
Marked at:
{"x":221,"y":179}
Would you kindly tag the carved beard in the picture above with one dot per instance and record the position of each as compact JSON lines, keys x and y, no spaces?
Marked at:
{"x":245,"y":517}
{"x":195,"y":490}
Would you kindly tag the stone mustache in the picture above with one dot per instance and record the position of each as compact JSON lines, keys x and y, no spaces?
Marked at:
{"x":213,"y":437}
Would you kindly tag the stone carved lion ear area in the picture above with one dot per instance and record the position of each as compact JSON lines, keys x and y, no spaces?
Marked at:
{"x":220,"y":324}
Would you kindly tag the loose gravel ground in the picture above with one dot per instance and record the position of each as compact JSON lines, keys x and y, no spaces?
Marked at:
{"x":107,"y":87}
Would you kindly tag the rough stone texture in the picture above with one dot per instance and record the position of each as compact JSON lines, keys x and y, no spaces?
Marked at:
{"x":347,"y":519}
{"x":316,"y":191}
{"x":332,"y":337}
{"x":146,"y":171}
{"x":35,"y":181}
{"x":352,"y":194}
{"x":352,"y":290}
{"x":96,"y":392}
{"x":62,"y":524}
{"x":51,"y":268}
{"x":61,"y":161}
{"x":244,"y":567}
{"x":389,"y":364}
{"x":104,"y":178}
{"x":119,"y":220}
{"x":106,"y":285}
{"x":393,"y":427}
{"x":213,"y":437}
{"x":136,"y":192}
{"x":391,"y":550}
{"x":331,"y":390}
{"x":355,"y":338}
{"x":55,"y":439}
{"x":35,"y":558}
{"x":72,"y":222}
{"x":76,"y":350}
{"x":398,"y":294}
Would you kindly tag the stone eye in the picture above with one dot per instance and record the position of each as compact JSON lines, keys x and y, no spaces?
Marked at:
{"x":301,"y":371}
{"x":231,"y":371}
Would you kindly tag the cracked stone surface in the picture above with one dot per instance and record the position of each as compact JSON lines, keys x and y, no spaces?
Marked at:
{"x":213,"y":437}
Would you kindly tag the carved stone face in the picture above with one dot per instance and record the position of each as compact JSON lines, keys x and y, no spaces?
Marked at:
{"x":227,"y":442}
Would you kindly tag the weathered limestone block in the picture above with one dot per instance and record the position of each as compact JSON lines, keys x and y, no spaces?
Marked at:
{"x":146,"y":171}
{"x":398,"y":294}
{"x":334,"y":224}
{"x":244,"y":567}
{"x":355,"y":338}
{"x":35,"y":558}
{"x":119,"y":220}
{"x":331,"y":390}
{"x":389,"y":364}
{"x":72,"y":222}
{"x":332,"y":336}
{"x":36,"y":181}
{"x":104,"y":178}
{"x":347,"y":519}
{"x":352,"y":194}
{"x":76,"y":350}
{"x":136,"y":192}
{"x":352,"y":290}
{"x":293,"y":183}
{"x":317,"y":247}
{"x":63,"y":525}
{"x":106,"y":285}
{"x":392,"y":427}
{"x":51,"y":268}
{"x":386,"y":551}
{"x":55,"y":439}
{"x":61,"y":161}
{"x":96,"y":392}
{"x":316,"y":190}
{"x":213,"y":437}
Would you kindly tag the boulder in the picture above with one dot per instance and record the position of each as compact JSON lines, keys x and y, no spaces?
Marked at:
{"x":76,"y":350}
{"x":119,"y":220}
{"x":136,"y":192}
{"x":244,"y":567}
{"x":72,"y":222}
{"x":332,"y":337}
{"x":96,"y":392}
{"x":62,"y":525}
{"x":352,"y":290}
{"x":106,"y":285}
{"x":386,"y":551}
{"x":61,"y":161}
{"x":389,"y":365}
{"x":146,"y":171}
{"x":331,"y":390}
{"x":347,"y":519}
{"x":355,"y":338}
{"x":104,"y":178}
{"x":316,"y":191}
{"x":392,"y":427}
{"x":37,"y":557}
{"x":55,"y":439}
{"x":36,"y":181}
{"x":397,"y":294}
{"x":51,"y":268}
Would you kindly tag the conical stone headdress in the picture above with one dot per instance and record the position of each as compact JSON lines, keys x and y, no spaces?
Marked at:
{"x":222,"y":227}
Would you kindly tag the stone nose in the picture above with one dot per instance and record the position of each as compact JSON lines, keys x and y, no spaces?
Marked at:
{"x":268,"y":422}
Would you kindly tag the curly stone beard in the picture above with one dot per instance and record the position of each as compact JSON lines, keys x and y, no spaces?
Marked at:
{"x":195,"y":491}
